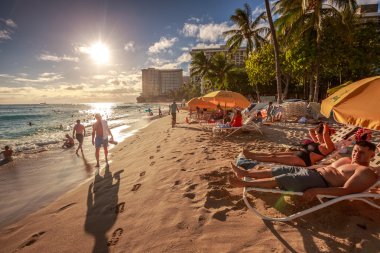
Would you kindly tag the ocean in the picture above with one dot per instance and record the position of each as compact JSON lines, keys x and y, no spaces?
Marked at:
{"x":41,"y":170}
{"x":40,"y":127}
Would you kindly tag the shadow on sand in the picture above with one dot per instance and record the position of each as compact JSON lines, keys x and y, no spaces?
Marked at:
{"x":103,"y":209}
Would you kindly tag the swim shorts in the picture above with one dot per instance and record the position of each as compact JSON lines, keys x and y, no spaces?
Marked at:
{"x":298,"y":179}
{"x":79,"y":137}
{"x":99,"y":141}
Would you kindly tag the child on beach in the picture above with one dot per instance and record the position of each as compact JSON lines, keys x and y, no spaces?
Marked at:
{"x":7,"y":153}
{"x":69,"y":142}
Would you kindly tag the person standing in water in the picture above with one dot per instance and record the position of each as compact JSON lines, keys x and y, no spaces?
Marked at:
{"x":80,"y":132}
{"x":100,"y":132}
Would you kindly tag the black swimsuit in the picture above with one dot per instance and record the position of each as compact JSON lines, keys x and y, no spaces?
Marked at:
{"x":305,"y":153}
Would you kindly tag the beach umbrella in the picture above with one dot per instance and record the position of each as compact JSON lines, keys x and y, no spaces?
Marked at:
{"x":356,"y":104}
{"x":194,"y":102}
{"x":227,"y":98}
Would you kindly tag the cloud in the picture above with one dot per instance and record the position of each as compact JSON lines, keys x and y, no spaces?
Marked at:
{"x":54,"y":58}
{"x":79,"y":87}
{"x":8,"y":28}
{"x":183,"y":58}
{"x":10,"y":23}
{"x":42,"y":78}
{"x":190,"y":30}
{"x":5,"y":35}
{"x":205,"y":32}
{"x":162,"y":45}
{"x":130,"y":46}
{"x":196,"y":20}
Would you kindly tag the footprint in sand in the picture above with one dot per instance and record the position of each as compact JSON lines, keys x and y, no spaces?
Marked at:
{"x":152,"y":163}
{"x":136,"y":187}
{"x":64,"y":207}
{"x":151,"y":157}
{"x":159,"y":146}
{"x":115,"y":237}
{"x":119,"y":208}
{"x":177,"y":182}
{"x":189,"y":195}
{"x":191,"y":187}
{"x":31,"y":240}
{"x":142,"y":173}
{"x":221,"y":215}
{"x":179,"y":160}
{"x":202,"y":220}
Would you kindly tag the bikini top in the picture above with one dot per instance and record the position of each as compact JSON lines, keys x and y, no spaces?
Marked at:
{"x":313,"y":147}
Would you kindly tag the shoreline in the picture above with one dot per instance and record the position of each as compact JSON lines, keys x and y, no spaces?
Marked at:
{"x":63,"y":163}
{"x":166,"y":191}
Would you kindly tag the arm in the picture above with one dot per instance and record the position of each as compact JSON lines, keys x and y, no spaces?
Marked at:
{"x":326,"y":136}
{"x":313,"y":135}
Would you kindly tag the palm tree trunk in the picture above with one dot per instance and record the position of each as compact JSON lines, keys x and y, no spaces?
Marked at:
{"x":311,"y":85}
{"x":316,"y":86}
{"x":276,"y":52}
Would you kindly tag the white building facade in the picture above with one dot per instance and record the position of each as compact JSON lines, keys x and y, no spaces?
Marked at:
{"x":156,"y":82}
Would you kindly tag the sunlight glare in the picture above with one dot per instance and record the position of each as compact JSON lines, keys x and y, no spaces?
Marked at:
{"x":99,"y":53}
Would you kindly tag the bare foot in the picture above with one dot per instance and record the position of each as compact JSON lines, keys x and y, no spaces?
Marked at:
{"x":240,"y":173}
{"x":235,"y":182}
{"x":97,"y":165}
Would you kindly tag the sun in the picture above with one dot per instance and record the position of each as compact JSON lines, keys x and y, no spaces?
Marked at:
{"x":99,"y":53}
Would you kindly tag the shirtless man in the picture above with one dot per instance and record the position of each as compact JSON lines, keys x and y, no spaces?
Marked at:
{"x":100,"y":132}
{"x":344,"y":176}
{"x":80,"y":134}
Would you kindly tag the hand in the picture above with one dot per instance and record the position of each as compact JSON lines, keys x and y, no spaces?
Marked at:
{"x":309,"y":194}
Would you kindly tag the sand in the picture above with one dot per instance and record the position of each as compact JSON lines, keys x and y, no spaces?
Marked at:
{"x":166,"y":191}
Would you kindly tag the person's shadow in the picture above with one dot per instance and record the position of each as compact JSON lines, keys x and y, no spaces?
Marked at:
{"x":103,"y":209}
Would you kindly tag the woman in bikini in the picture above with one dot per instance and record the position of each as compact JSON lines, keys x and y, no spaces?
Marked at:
{"x":309,"y":155}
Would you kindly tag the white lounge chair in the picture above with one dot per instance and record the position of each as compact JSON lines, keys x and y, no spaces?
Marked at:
{"x":366,"y":197}
{"x":248,"y":125}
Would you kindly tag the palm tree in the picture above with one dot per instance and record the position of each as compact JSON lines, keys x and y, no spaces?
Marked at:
{"x":200,"y":66}
{"x":300,"y":18}
{"x":220,"y":68}
{"x":248,"y":30}
{"x":276,"y":52}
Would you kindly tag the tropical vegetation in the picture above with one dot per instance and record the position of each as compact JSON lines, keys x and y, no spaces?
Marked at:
{"x":319,"y":46}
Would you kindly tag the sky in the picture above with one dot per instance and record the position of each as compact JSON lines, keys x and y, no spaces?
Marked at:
{"x":80,"y":51}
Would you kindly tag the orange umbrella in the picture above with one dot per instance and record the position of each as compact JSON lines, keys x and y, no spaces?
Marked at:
{"x":227,"y":98}
{"x":194,"y":102}
{"x":356,"y":104}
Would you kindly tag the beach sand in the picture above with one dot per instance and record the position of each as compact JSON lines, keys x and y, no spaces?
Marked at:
{"x":166,"y":191}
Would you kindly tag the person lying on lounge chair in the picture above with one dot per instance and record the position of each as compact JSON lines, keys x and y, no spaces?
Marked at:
{"x":344,"y":176}
{"x":309,"y":155}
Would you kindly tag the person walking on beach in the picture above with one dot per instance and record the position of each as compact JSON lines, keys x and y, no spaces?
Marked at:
{"x":173,"y":110}
{"x":100,"y":132}
{"x":7,"y":153}
{"x":80,"y":132}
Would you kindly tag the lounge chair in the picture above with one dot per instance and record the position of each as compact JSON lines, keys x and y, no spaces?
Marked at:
{"x":248,"y":125}
{"x":366,"y":197}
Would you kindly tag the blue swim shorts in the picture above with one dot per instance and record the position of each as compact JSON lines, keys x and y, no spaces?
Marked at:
{"x":245,"y":163}
{"x":99,"y":141}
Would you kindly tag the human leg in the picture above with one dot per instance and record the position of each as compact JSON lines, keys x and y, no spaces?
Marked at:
{"x":97,"y":156}
{"x":240,"y":172}
{"x":106,"y":154}
{"x":260,"y":183}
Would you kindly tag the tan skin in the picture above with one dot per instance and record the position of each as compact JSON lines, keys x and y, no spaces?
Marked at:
{"x":345,"y":176}
{"x":288,"y":158}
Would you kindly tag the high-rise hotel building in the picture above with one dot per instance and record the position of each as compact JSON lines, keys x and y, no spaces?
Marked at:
{"x":157,"y":82}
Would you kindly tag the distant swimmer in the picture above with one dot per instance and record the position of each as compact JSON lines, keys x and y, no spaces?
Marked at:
{"x":69,"y":142}
{"x":61,"y":127}
{"x":30,"y":123}
{"x":80,"y":132}
{"x":7,"y":153}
